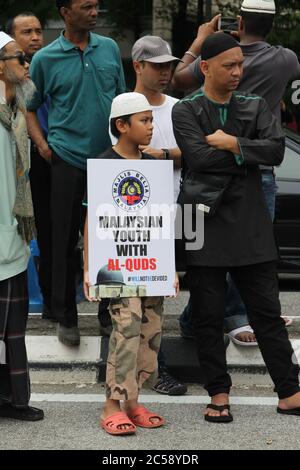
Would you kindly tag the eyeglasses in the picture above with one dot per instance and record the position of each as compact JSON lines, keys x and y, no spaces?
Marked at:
{"x":20,"y":57}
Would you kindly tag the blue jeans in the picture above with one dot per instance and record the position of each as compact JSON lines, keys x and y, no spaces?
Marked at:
{"x":235,"y":313}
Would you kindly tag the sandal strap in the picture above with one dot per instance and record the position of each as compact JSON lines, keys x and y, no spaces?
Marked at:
{"x":143,"y":413}
{"x":118,"y":419}
{"x":140,"y":409}
{"x":218,"y":407}
{"x":241,"y":329}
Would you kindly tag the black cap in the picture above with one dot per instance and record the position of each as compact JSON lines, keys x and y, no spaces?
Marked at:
{"x":217,"y":43}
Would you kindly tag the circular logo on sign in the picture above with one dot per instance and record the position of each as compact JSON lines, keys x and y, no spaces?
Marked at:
{"x":131,"y":190}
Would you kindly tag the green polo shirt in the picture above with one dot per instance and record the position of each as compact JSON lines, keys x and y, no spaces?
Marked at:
{"x":81,"y":87}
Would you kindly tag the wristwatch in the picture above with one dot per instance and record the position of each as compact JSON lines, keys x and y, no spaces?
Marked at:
{"x":166,"y":154}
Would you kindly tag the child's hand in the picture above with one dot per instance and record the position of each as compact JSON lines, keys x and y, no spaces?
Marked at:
{"x":176,"y":286}
{"x":86,"y":285}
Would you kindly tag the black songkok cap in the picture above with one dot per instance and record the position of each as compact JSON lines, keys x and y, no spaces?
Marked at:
{"x":216,"y":44}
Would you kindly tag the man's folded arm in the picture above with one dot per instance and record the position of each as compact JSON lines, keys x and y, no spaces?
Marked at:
{"x":268,"y":146}
{"x":199,"y":156}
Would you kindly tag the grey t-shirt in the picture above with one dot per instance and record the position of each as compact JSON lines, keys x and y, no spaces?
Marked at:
{"x":267,"y":72}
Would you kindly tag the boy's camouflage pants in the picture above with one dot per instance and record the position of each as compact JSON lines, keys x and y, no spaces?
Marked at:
{"x":133,"y":345}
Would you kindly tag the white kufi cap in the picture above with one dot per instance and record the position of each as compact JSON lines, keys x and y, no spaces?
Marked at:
{"x":259,"y":6}
{"x":129,"y":103}
{"x":4,"y":39}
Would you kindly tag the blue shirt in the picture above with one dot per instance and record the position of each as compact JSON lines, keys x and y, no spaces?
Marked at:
{"x":81,"y":86}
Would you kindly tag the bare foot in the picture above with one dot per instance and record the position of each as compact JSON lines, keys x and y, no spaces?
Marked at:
{"x":109,"y":408}
{"x":246,"y":337}
{"x":220,"y":399}
{"x":132,"y":404}
{"x":243,"y":336}
{"x":290,"y":402}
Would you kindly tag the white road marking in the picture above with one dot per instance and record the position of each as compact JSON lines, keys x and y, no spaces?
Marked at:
{"x":185,"y":400}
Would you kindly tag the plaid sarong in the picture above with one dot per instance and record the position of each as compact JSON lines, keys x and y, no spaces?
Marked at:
{"x":14,"y":375}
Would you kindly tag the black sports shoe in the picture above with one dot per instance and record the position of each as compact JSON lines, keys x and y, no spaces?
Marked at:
{"x":70,"y":336}
{"x":24,"y":414}
{"x":168,"y":385}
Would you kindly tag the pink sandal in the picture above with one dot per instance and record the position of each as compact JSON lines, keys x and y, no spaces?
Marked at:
{"x":112,"y":424}
{"x":141,"y":417}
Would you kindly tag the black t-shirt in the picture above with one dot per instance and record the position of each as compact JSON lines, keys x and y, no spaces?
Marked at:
{"x":112,"y":154}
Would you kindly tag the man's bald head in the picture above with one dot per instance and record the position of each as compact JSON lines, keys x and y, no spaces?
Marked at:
{"x":223,"y":70}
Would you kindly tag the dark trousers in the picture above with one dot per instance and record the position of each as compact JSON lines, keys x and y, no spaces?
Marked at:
{"x":14,"y":375}
{"x":40,"y":180}
{"x":68,"y":190}
{"x":258,"y":287}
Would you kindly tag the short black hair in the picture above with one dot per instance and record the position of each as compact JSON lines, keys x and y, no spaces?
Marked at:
{"x":113,"y":128}
{"x":63,"y":3}
{"x":10,"y":24}
{"x":257,"y":24}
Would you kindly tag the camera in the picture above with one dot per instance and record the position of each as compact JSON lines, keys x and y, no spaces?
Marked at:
{"x":227,"y":24}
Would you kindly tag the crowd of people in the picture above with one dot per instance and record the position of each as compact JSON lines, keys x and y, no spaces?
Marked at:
{"x":70,"y":97}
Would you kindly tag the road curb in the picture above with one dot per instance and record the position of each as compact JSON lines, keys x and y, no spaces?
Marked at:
{"x":180,"y":355}
{"x":48,"y":350}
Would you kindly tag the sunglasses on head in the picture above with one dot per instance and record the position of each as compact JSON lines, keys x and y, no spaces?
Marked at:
{"x":21,"y":57}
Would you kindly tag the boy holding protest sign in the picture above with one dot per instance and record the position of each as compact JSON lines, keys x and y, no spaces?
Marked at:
{"x":137,"y":321}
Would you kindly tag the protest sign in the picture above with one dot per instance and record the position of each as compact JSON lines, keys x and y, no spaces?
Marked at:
{"x":131,"y":228}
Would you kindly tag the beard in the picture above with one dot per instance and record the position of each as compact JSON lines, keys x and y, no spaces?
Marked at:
{"x":24,"y":90}
{"x":24,"y":93}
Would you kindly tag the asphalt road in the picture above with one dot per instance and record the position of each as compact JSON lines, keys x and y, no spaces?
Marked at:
{"x":75,"y":426}
{"x":72,"y":404}
{"x":72,"y":399}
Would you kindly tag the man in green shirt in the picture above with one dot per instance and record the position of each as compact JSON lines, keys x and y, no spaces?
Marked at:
{"x":81,"y":73}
